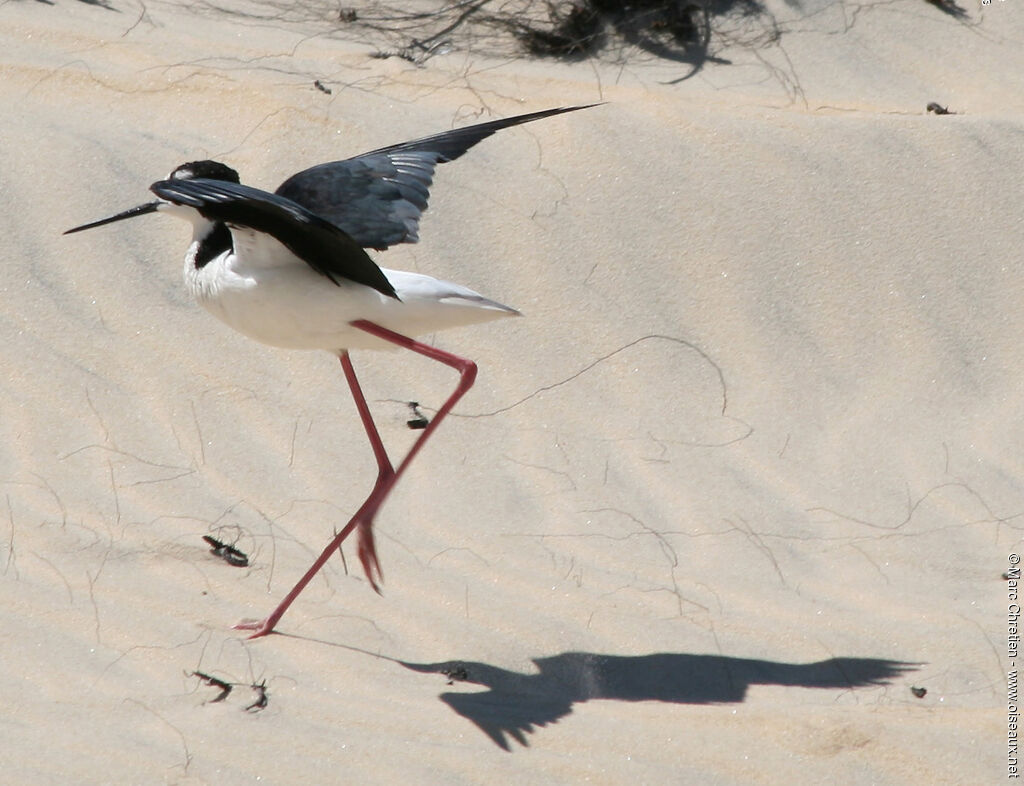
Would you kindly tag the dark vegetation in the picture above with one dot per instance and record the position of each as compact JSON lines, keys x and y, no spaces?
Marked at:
{"x":683,"y":31}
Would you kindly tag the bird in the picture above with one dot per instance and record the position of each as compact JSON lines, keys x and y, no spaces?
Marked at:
{"x":290,"y":269}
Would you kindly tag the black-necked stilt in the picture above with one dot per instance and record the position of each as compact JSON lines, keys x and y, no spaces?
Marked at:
{"x":289,"y":269}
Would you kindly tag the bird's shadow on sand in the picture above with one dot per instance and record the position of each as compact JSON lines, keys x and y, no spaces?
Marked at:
{"x":516,"y":703}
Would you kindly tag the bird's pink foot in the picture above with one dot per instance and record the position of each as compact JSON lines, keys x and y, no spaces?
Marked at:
{"x":261,"y":627}
{"x":368,"y":555}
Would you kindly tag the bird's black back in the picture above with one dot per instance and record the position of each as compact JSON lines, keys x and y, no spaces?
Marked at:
{"x":319,"y":243}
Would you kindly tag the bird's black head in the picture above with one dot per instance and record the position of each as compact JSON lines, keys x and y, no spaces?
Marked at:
{"x":193,"y":170}
{"x":207,"y":170}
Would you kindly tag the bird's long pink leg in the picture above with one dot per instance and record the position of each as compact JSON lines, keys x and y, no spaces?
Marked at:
{"x":385,"y":479}
{"x":386,"y":476}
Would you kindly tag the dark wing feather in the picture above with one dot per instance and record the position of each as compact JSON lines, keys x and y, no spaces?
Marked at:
{"x":377,"y":198}
{"x":320,"y":244}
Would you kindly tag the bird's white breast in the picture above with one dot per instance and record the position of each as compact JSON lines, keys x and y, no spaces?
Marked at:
{"x":262,"y":290}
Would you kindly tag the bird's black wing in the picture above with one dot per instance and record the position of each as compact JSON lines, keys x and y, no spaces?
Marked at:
{"x":378,"y":197}
{"x":320,"y":244}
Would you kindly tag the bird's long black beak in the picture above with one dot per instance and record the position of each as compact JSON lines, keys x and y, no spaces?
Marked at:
{"x":141,"y":210}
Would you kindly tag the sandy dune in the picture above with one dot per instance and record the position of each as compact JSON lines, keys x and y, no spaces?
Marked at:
{"x":748,"y":472}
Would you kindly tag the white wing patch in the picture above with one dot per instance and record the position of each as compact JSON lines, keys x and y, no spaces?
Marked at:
{"x":260,"y":251}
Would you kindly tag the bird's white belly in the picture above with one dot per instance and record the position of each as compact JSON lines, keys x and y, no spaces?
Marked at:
{"x":294,"y":307}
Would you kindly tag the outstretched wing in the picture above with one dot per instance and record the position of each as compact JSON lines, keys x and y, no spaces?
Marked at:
{"x":377,"y":198}
{"x":319,"y":243}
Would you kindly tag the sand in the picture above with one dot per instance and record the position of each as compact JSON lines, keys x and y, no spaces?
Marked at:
{"x":748,"y":472}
